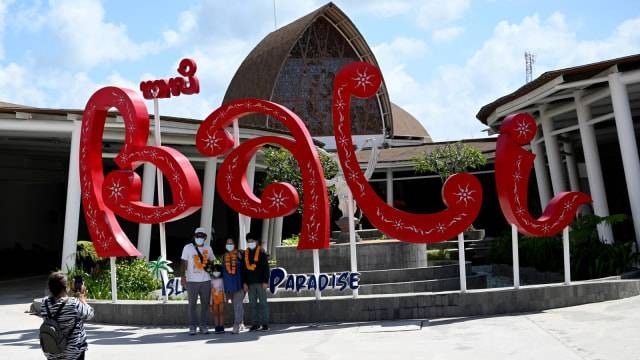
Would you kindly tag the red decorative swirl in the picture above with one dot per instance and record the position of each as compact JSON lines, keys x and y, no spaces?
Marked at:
{"x":513,"y":166}
{"x":461,"y":193}
{"x":277,"y":199}
{"x":119,"y":192}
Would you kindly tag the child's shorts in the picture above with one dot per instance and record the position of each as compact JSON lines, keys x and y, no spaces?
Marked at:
{"x":217,"y":297}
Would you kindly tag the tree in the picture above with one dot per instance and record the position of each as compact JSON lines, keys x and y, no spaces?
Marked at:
{"x":446,"y":160}
{"x":283,"y":167}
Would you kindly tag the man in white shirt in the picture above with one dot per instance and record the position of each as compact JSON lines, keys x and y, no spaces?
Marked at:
{"x":195,"y":257}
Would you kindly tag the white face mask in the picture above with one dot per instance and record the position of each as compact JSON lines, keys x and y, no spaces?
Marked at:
{"x":216,"y":274}
{"x":229,"y":247}
{"x":199,"y":241}
{"x":251,"y":245}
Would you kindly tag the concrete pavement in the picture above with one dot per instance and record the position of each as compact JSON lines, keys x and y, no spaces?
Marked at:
{"x":608,"y":330}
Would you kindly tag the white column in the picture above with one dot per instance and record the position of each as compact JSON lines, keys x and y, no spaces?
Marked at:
{"x":516,"y":256}
{"x":542,"y":176}
{"x":352,"y":238}
{"x":553,"y":154}
{"x":208,"y":196}
{"x":572,"y":168}
{"x":462,"y":263}
{"x":147,"y":197}
{"x":594,"y":168}
{"x":244,"y":222}
{"x":628,"y":146}
{"x":389,"y":187}
{"x":266,"y":238}
{"x":72,"y":211}
{"x":276,"y":235}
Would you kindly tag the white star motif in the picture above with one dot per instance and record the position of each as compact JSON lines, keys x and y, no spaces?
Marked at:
{"x":211,"y":142}
{"x":363,"y":79}
{"x":116,"y":190}
{"x":546,"y":228}
{"x":441,"y":228}
{"x":313,"y":237}
{"x":522,"y":129}
{"x":278,"y":200}
{"x":464,"y":194}
{"x":517,"y":177}
{"x":340,"y":105}
{"x":397,"y":224}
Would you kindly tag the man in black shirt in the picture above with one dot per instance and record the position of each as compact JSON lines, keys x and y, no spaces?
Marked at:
{"x":255,"y":278}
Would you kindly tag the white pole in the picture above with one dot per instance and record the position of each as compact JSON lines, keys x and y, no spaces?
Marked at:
{"x":462,"y":263}
{"x":594,"y":168}
{"x":567,"y":259}
{"x":516,"y":258}
{"x":148,"y":189}
{"x":553,"y":154}
{"x":160,"y":185}
{"x":352,"y":238}
{"x":316,"y":271}
{"x":114,"y":283}
{"x":242,"y":231}
{"x":628,"y":146}
{"x":208,"y":196}
{"x":72,"y":210}
{"x":266,"y":241}
{"x":542,"y":175}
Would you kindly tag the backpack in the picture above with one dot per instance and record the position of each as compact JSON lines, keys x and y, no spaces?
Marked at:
{"x":52,"y":339}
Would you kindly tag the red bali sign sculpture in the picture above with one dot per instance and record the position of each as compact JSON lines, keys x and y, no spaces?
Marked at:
{"x":278,"y":199}
{"x":119,"y":193}
{"x":513,"y":166}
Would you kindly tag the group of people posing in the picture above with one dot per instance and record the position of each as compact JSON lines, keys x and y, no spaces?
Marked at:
{"x":241,"y":272}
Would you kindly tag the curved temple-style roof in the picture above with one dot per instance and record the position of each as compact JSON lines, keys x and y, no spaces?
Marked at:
{"x":405,"y":125}
{"x":258,"y":74}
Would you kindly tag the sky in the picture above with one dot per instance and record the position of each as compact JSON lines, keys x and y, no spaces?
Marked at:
{"x":441,"y":60}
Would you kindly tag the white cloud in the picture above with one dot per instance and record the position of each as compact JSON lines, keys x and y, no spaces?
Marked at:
{"x":447,"y":104}
{"x":89,"y":39}
{"x":433,"y":13}
{"x":447,"y":34}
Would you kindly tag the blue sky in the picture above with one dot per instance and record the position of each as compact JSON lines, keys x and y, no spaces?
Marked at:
{"x":442,"y":60}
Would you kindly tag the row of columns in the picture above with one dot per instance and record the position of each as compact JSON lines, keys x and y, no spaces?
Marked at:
{"x":628,"y":149}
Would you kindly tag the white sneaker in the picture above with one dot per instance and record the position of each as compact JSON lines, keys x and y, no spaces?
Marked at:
{"x":236,"y":329}
{"x":192,"y":331}
{"x":204,"y":330}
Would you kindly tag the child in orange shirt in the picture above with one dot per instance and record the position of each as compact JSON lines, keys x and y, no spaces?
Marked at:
{"x":217,"y":298}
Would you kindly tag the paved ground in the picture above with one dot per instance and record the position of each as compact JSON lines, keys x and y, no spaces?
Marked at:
{"x":609,"y":330}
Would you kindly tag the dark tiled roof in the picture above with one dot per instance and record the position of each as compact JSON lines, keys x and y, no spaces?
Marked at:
{"x":569,"y":74}
{"x":406,"y":153}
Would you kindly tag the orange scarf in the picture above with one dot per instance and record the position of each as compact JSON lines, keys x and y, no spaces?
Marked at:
{"x":230,"y":261}
{"x":256,"y":257}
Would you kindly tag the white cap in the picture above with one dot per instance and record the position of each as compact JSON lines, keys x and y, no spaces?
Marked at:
{"x":201,"y":230}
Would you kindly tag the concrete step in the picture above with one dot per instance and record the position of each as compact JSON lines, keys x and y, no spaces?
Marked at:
{"x":412,"y":274}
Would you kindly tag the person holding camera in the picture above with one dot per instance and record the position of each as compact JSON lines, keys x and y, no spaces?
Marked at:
{"x":195,"y":257}
{"x":62,"y":334}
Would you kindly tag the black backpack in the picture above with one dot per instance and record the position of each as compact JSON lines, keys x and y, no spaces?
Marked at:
{"x":52,"y":339}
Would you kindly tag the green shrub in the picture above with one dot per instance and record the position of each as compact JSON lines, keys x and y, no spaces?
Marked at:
{"x":291,"y":241}
{"x":439,"y":254}
{"x":134,"y":281}
{"x":590,"y":257}
{"x":446,"y":160}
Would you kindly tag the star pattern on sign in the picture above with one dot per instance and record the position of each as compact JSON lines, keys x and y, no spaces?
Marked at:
{"x":465,"y":194}
{"x":278,"y":200}
{"x":244,"y":203}
{"x":116,"y":190}
{"x":441,"y":228}
{"x":340,"y":105}
{"x":546,"y":228}
{"x":313,"y":237}
{"x":363,"y":79}
{"x":398,"y":224}
{"x":522,"y":129}
{"x":211,"y":142}
{"x":517,"y":177}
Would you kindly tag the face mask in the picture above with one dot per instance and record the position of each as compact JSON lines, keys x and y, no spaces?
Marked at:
{"x":216,"y":274}
{"x":229,"y":247}
{"x":199,"y":241}
{"x":251,"y":245}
